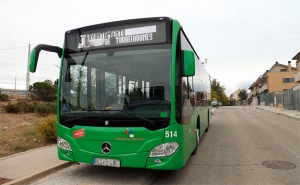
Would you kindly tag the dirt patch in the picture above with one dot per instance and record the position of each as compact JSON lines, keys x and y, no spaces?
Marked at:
{"x":18,"y":132}
{"x":4,"y":180}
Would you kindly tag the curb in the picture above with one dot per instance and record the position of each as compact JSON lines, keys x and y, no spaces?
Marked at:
{"x":29,"y":178}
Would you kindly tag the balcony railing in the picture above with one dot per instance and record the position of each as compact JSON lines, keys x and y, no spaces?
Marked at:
{"x":254,"y":93}
{"x":297,"y":76}
{"x":264,"y":87}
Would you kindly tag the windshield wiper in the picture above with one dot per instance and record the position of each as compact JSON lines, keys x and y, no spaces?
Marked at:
{"x":151,"y":123}
{"x":76,"y":118}
{"x":147,"y":121}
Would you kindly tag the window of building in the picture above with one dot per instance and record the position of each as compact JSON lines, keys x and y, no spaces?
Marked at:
{"x":288,"y":80}
{"x":283,"y":70}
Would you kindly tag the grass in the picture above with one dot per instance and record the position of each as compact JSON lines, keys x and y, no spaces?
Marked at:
{"x":18,"y":132}
{"x":20,"y":139}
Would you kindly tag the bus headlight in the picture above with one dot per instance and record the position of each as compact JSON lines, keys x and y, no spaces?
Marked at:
{"x":63,"y":144}
{"x":165,"y":149}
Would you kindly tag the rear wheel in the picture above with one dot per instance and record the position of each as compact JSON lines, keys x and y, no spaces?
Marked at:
{"x":207,"y":122}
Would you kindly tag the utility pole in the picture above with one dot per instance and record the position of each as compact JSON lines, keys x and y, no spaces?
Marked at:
{"x":28,"y":73}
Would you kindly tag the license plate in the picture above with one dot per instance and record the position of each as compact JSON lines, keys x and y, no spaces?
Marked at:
{"x":107,"y":162}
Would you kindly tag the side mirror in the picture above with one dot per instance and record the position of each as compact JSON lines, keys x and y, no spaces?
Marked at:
{"x":34,"y":54}
{"x":188,"y":59}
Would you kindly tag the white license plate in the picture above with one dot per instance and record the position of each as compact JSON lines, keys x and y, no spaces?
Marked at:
{"x":107,"y":162}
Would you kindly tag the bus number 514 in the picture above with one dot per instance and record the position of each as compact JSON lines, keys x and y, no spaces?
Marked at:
{"x":171,"y":134}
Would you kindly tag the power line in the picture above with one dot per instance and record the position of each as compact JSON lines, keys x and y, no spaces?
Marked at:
{"x":25,"y":61}
{"x":14,"y":59}
{"x":43,"y":69}
{"x":14,"y":63}
{"x":12,"y":81}
{"x":14,"y":48}
{"x":24,"y":65}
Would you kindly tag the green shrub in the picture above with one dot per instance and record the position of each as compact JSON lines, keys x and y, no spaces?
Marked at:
{"x":20,"y":107}
{"x":25,"y":107}
{"x":29,"y":108}
{"x":46,"y":108}
{"x":42,"y":108}
{"x":12,"y":108}
{"x":47,"y":128}
{"x":4,"y":97}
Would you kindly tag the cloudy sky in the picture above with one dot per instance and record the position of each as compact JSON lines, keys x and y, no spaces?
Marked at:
{"x":240,"y":39}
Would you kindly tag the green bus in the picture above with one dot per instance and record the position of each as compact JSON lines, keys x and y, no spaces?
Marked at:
{"x":131,"y":93}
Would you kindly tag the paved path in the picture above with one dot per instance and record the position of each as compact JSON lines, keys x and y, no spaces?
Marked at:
{"x":23,"y":166}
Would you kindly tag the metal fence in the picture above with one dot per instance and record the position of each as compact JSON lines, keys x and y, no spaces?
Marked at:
{"x":289,"y":99}
{"x":296,"y":99}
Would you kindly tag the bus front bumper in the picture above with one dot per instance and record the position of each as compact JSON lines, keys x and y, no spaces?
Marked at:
{"x":132,"y":160}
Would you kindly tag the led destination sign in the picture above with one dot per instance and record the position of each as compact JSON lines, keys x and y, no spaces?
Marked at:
{"x":124,"y":36}
{"x":135,"y":34}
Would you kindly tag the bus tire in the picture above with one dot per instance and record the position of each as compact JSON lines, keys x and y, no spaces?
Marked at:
{"x":207,"y":122}
{"x":197,"y":135}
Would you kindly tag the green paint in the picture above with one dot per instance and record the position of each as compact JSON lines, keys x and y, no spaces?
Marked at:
{"x":163,"y":114}
{"x":33,"y":61}
{"x":189,"y":63}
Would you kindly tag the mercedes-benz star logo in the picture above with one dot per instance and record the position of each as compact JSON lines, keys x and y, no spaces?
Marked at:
{"x":105,"y":147}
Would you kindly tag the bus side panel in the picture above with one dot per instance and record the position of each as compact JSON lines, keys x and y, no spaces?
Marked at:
{"x":186,"y":138}
{"x":203,"y":114}
{"x":190,"y":131}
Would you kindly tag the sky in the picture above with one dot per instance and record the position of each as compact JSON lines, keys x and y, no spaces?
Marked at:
{"x":240,"y":39}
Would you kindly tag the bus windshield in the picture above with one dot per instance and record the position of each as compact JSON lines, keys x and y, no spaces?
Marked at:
{"x":117,"y":85}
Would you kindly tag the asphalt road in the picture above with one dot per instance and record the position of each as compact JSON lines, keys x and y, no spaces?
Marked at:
{"x":239,"y":141}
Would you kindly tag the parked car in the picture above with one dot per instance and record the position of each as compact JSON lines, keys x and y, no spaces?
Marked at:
{"x":215,"y":103}
{"x":220,"y":103}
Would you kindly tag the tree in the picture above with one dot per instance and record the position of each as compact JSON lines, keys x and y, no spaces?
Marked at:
{"x":48,"y":81}
{"x":55,"y":84}
{"x":214,"y":94}
{"x":231,"y":102}
{"x":243,"y":94}
{"x":218,"y":91}
{"x":43,"y":91}
{"x":78,"y":80}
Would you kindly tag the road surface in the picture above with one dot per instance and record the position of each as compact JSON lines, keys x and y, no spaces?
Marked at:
{"x":244,"y":145}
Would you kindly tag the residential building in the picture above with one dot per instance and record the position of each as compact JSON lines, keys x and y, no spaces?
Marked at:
{"x":235,"y":95}
{"x":297,"y":74}
{"x":279,"y":77}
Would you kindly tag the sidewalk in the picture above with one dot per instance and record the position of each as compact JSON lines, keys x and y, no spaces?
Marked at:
{"x":27,"y":166}
{"x":281,"y":111}
{"x":21,"y":168}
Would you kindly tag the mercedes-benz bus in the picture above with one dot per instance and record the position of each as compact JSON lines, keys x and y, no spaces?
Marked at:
{"x":131,"y":93}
